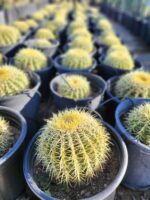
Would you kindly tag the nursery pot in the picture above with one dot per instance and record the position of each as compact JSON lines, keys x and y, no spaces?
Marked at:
{"x":64,"y":69}
{"x":27,"y":103}
{"x":98,"y":86}
{"x":12,"y":181}
{"x":107,"y":194}
{"x":49,"y":52}
{"x":109,"y":71}
{"x":137,"y":176}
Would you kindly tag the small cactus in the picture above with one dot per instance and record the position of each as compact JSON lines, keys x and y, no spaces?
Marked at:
{"x":73,"y":146}
{"x":31,"y":23}
{"x":137,"y":122}
{"x":5,"y":136}
{"x":77,"y":59}
{"x":22,"y":26}
{"x":109,"y":40}
{"x":32,"y":59}
{"x":74,"y":87}
{"x":83,"y":43}
{"x":81,"y":32}
{"x":38,"y":16}
{"x":134,"y":84}
{"x":12,"y":81}
{"x":104,"y":24}
{"x":44,"y":33}
{"x":118,"y":47}
{"x":41,"y":43}
{"x":9,"y":35}
{"x":119,"y":59}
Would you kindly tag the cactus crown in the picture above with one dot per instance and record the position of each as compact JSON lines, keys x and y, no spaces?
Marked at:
{"x":120,"y":60}
{"x":74,"y":87}
{"x":12,"y":81}
{"x":137,"y":122}
{"x":22,"y":26}
{"x":5,"y":136}
{"x":83,"y":43}
{"x":32,"y":59}
{"x":77,"y":59}
{"x":32,"y":23}
{"x":41,"y":44}
{"x":118,"y":47}
{"x":134,"y":84}
{"x":8,"y":35}
{"x":44,"y":33}
{"x":73,"y":146}
{"x":109,"y":40}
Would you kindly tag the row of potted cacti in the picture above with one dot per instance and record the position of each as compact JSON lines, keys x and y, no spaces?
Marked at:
{"x":70,"y":157}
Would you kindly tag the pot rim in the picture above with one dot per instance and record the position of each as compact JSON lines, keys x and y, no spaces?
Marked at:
{"x":23,"y":133}
{"x":120,"y":126}
{"x":88,"y":76}
{"x":102,"y":195}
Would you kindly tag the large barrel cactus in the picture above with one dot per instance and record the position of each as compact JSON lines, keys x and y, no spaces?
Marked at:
{"x":77,"y":59}
{"x":134,"y":84}
{"x":137,"y":122}
{"x":73,"y":146}
{"x":119,"y":59}
{"x":9,"y":35}
{"x":32,"y":59}
{"x":12,"y":81}
{"x":74,"y":87}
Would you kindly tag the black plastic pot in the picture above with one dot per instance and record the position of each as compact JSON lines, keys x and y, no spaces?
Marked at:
{"x":12,"y":181}
{"x":137,"y":176}
{"x":108,"y":71}
{"x":107,"y":194}
{"x":98,"y":86}
{"x":26,"y":103}
{"x":49,"y":52}
{"x":64,"y":69}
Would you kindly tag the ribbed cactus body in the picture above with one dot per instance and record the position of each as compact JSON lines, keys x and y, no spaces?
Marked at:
{"x":42,"y":43}
{"x":104,"y":24}
{"x":134,"y":84}
{"x":81,"y":32}
{"x":119,"y":59}
{"x":31,"y":23}
{"x":38,"y":16}
{"x":12,"y":81}
{"x":22,"y":26}
{"x":74,"y":87}
{"x":109,"y":40}
{"x":73,"y":146}
{"x":9,"y":35}
{"x":83,"y":43}
{"x":32,"y":59}
{"x":44,"y":33}
{"x":137,"y":122}
{"x":5,"y":135}
{"x":77,"y":59}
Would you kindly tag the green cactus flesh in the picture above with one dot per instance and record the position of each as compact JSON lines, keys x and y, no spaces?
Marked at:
{"x":77,"y":59}
{"x":74,"y":87}
{"x":12,"y":81}
{"x":137,"y":122}
{"x":73,"y":146}
{"x":134,"y":84}
{"x":32,"y":59}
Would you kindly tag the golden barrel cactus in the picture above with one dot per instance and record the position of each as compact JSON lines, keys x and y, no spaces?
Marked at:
{"x":73,"y":146}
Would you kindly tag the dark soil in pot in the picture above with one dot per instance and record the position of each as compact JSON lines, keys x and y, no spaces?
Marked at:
{"x":95,"y":186}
